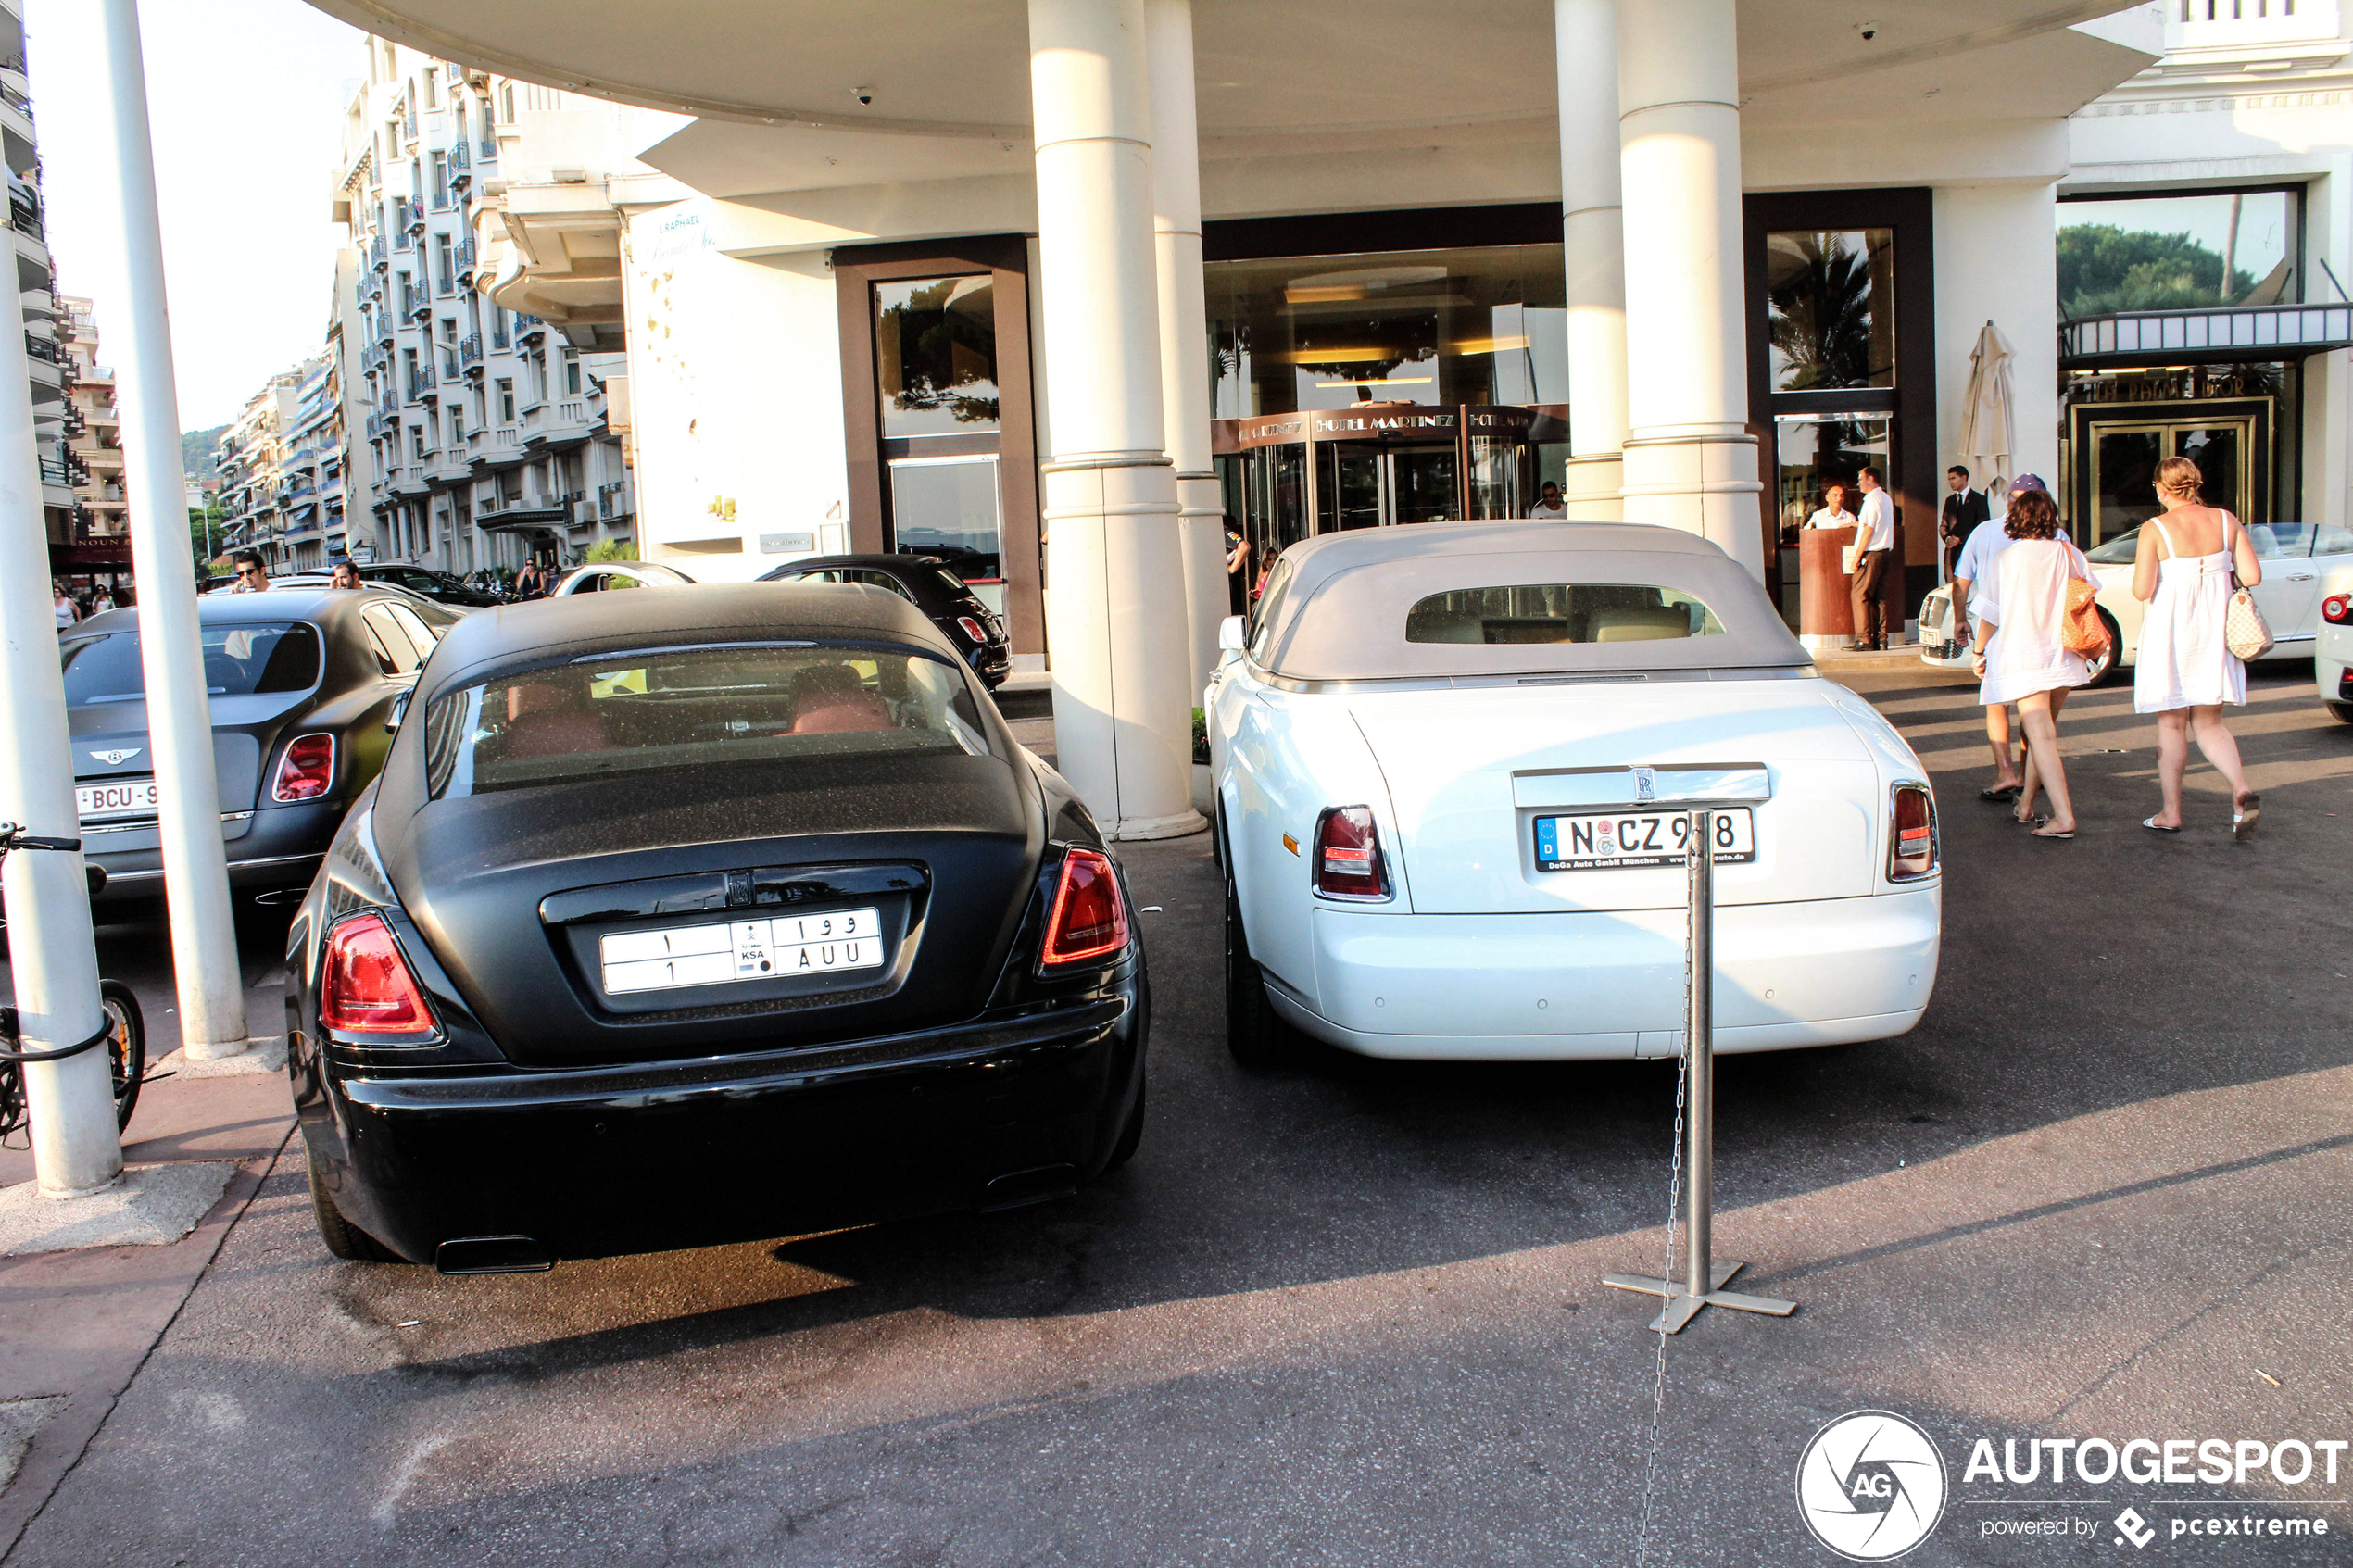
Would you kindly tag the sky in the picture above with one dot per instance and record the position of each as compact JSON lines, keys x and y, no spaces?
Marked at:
{"x":245,"y":98}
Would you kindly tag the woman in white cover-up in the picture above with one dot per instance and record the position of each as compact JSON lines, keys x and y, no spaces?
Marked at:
{"x":2022,"y":653}
{"x":2185,"y":672}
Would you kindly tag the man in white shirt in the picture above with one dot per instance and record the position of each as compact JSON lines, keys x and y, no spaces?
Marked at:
{"x":1833,"y":512}
{"x":1978,"y":552}
{"x":1875,"y":541}
{"x":1548,"y":507}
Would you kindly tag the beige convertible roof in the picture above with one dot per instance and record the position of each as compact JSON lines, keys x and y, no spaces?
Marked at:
{"x":1336,"y":608}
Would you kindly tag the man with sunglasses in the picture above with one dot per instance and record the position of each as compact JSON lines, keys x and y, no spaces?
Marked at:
{"x":252,"y":576}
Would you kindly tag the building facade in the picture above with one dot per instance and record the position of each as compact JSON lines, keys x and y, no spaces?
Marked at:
{"x":255,"y":467}
{"x":479,"y":431}
{"x":90,"y":439}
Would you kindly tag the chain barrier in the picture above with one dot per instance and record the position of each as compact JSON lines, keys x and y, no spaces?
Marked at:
{"x":1665,"y":1270}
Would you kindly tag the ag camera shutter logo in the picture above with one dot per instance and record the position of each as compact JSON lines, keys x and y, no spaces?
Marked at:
{"x":1871,"y":1486}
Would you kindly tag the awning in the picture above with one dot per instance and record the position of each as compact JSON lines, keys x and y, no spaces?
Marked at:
{"x":91,"y":553}
{"x":523,"y":520}
{"x":2224,"y":334}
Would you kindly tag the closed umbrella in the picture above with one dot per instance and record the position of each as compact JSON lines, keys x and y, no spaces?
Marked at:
{"x":1989,"y":432}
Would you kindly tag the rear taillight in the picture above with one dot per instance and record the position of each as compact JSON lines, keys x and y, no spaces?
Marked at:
{"x":1089,"y":921}
{"x":307,"y":770}
{"x":365,"y":986}
{"x":973,"y":629}
{"x":1912,"y":849}
{"x":2337,"y":610}
{"x":1348,"y":859}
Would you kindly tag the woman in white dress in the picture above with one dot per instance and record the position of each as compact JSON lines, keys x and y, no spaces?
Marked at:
{"x":2022,"y":654}
{"x":2185,"y":672}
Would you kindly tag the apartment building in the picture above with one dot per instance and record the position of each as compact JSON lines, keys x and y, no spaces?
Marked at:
{"x":68,"y":524}
{"x":480,"y":432}
{"x":256,"y":464}
{"x":91,"y":438}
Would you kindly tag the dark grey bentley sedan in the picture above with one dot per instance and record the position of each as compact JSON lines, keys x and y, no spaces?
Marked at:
{"x":301,"y":684}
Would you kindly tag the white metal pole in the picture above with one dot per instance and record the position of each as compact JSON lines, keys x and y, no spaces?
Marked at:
{"x":51,"y":956}
{"x":1594,"y":253}
{"x":204,"y":938}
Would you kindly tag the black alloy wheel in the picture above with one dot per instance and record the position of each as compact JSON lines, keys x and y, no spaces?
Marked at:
{"x":2105,"y":666}
{"x":126,"y":1046}
{"x":343,"y":1238}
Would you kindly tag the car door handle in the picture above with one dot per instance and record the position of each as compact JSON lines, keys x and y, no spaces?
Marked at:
{"x":2301,"y":576}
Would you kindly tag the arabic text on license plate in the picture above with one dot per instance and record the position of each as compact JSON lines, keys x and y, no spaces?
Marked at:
{"x":742,"y":949}
{"x":1620,"y":839}
{"x":130,"y":797}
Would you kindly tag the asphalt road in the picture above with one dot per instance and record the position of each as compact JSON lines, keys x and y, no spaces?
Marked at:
{"x":1350,"y":1313}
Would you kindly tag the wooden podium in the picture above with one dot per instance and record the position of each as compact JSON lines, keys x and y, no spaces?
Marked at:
{"x":1825,"y":601}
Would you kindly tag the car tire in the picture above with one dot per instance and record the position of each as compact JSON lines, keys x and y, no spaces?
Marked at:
{"x":1256,"y":1034}
{"x":2105,"y":668}
{"x":343,"y":1238}
{"x":127,"y":1049}
{"x":1132,"y":1135}
{"x":2341,"y":712}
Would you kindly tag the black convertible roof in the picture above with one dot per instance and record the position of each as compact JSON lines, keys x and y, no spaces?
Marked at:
{"x":616,"y":620}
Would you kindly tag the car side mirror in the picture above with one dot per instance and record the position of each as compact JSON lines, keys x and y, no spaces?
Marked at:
{"x":1229,"y":634}
{"x":399,"y":712}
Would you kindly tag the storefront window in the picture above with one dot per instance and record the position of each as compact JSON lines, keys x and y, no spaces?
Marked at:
{"x":949,"y":508}
{"x":2230,"y":419}
{"x":935,"y":356}
{"x":1830,"y":308}
{"x":1475,"y":325}
{"x":2178,"y":252}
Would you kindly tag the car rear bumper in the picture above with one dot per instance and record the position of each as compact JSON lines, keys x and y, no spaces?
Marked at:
{"x":1564,"y":986}
{"x":655,"y":1156}
{"x":280,"y":846}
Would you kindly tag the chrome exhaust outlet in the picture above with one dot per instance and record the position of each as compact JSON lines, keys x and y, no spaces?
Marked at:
{"x":1017,"y":1189}
{"x":492,"y":1255}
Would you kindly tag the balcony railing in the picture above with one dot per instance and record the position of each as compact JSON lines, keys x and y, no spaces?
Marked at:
{"x":458,"y":159}
{"x":469,"y":349}
{"x":379,"y":253}
{"x":488,"y":149}
{"x":466,"y":255}
{"x":409,"y":124}
{"x":44,"y":348}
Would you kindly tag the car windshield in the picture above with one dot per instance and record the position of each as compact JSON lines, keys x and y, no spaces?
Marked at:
{"x":1560,"y":612}
{"x":661,"y":710}
{"x":238,"y":661}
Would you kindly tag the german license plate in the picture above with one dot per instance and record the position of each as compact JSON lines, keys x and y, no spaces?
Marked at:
{"x":1596,"y":842}
{"x":129,"y":798}
{"x":727,"y":951}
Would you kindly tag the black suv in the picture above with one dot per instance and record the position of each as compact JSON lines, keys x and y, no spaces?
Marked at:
{"x":946,"y":600}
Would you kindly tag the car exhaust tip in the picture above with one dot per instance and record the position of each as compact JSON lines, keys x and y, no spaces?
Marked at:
{"x":492,"y":1255}
{"x":1017,"y":1189}
{"x":279,"y":898}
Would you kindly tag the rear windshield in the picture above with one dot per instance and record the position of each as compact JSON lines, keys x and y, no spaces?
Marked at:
{"x":695,"y":708}
{"x":238,"y":661}
{"x":1560,"y":612}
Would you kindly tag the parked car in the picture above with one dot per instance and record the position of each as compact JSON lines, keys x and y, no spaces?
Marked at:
{"x":927,"y":582}
{"x":439,"y":587}
{"x":686,"y":918}
{"x":2332,"y":650}
{"x":2296,"y":557}
{"x":1452,"y":767}
{"x":319,"y":582}
{"x":605,"y":576}
{"x":301,"y":684}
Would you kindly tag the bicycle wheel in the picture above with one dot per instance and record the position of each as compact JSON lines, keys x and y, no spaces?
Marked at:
{"x":126,"y":1046}
{"x":11,"y":1100}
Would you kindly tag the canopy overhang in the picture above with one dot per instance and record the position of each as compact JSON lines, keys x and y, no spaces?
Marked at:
{"x":2219,"y":335}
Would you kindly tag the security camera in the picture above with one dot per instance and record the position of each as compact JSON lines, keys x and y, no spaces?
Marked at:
{"x":864,"y":94}
{"x":1869,"y":31}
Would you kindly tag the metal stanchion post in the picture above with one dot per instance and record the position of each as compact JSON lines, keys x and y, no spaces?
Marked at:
{"x":1684,"y":1301}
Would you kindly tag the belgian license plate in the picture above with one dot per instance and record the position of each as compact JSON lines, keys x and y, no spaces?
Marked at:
{"x":1596,"y":842}
{"x":130,"y":797}
{"x":727,"y":951}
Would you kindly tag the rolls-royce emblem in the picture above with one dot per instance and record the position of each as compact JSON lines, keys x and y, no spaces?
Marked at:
{"x":116,"y":758}
{"x":1646,"y":786}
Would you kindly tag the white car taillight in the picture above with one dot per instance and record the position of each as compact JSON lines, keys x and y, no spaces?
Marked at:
{"x":306,"y":770}
{"x":366,"y":987}
{"x":1348,"y":862}
{"x":1911,"y":834}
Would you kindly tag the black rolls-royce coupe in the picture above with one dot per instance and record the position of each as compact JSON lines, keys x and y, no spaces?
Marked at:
{"x":684,"y":917}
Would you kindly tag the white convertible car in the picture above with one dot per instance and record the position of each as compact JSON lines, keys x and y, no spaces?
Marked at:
{"x":1450,"y":761}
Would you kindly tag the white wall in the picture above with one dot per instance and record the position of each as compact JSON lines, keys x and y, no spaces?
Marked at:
{"x":1996,"y":260}
{"x":735,"y":398}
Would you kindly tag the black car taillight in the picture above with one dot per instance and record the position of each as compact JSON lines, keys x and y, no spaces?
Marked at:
{"x":973,"y":629}
{"x":1089,"y":919}
{"x":1912,"y":834}
{"x":1348,"y":860}
{"x":2337,"y":610}
{"x":307,"y":769}
{"x":366,"y":987}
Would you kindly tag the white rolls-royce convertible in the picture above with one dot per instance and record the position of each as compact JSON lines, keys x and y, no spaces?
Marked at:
{"x":1452,"y":767}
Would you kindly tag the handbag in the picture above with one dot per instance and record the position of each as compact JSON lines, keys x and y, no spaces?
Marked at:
{"x":2084,"y":633}
{"x":2245,"y":632}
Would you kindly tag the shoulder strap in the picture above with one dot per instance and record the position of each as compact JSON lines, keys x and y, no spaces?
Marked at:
{"x":2164,"y":537}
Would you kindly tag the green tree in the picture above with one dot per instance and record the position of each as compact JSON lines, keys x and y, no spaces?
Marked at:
{"x":2104,"y":269}
{"x":206,"y":526}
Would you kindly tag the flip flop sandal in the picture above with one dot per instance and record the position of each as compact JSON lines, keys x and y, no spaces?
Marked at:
{"x":2154,"y":827}
{"x":2000,"y":792}
{"x":2038,"y":833}
{"x":2019,"y":821}
{"x":2244,"y":814}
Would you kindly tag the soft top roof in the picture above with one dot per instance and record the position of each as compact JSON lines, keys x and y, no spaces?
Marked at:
{"x":613,"y":621}
{"x":1341,"y":614}
{"x":279,"y":604}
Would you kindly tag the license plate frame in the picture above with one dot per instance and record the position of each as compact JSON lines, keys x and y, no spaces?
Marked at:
{"x":1560,"y":845}
{"x":677,"y":957}
{"x":141,"y":798}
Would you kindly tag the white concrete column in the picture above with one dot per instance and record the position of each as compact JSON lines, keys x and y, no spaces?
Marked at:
{"x":204,"y":937}
{"x":1183,"y":326}
{"x":1592,"y":253}
{"x":1690,"y":460}
{"x":53,"y":960}
{"x":1114,"y":566}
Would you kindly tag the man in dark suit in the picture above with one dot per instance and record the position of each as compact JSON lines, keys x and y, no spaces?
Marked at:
{"x":1964,"y":509}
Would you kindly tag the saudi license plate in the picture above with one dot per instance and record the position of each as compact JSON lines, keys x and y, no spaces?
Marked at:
{"x":727,"y":951}
{"x":1595,"y":841}
{"x":132,"y":797}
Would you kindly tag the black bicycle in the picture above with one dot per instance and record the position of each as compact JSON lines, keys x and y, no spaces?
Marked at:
{"x":123,"y":1030}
